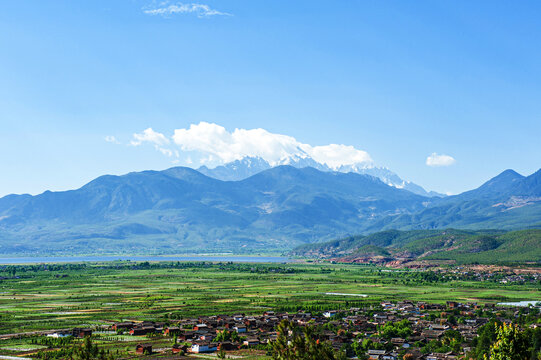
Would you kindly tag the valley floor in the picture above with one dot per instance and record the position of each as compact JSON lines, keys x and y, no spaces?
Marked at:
{"x":38,"y":298}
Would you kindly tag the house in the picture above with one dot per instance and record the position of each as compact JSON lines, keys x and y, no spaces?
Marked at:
{"x":251,"y":342}
{"x":199,"y":327}
{"x":171,"y":331}
{"x":81,"y":333}
{"x":226,"y":346}
{"x":123,"y":325}
{"x":329,"y":314}
{"x":432,"y":334}
{"x":390,"y":356}
{"x":206,"y":337}
{"x":178,"y":348}
{"x":438,"y":327}
{"x":200,"y":347}
{"x":188,"y":335}
{"x":452,"y":304}
{"x":375,"y":354}
{"x":441,"y":356}
{"x":142,"y":330}
{"x":143,"y":349}
{"x":240,"y":328}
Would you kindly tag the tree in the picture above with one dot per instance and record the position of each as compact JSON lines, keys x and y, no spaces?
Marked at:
{"x":486,"y":337}
{"x":221,"y":354}
{"x":511,"y":344}
{"x":294,"y":343}
{"x":89,"y":351}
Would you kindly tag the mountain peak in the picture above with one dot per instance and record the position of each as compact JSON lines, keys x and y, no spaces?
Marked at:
{"x":502,"y":181}
{"x":249,"y":166}
{"x":531,"y":185}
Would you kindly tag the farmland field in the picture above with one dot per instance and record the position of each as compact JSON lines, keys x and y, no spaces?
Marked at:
{"x":41,"y":297}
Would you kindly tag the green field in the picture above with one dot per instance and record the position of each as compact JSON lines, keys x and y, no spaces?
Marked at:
{"x":63,"y":296}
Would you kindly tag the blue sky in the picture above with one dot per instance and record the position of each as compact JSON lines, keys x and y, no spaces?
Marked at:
{"x":399,"y":80}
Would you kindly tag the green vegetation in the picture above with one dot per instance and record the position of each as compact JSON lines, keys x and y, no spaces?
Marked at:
{"x":499,"y":340}
{"x":295,"y":343}
{"x":461,"y":246}
{"x":87,"y":351}
{"x":511,"y":343}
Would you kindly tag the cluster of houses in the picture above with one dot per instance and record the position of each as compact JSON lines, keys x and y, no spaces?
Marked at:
{"x":202,"y":334}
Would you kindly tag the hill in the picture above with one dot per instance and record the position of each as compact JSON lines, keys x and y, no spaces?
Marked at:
{"x":461,"y":246}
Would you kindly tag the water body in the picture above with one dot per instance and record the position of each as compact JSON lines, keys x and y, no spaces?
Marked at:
{"x":525,"y":303}
{"x":76,"y":259}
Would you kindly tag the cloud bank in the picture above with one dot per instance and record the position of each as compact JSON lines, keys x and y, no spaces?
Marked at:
{"x":213,"y":145}
{"x":200,"y":10}
{"x":440,"y":160}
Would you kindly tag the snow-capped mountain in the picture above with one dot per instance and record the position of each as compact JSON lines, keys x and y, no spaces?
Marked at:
{"x":248,"y":166}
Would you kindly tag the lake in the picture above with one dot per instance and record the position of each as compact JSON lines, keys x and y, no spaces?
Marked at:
{"x":221,"y":258}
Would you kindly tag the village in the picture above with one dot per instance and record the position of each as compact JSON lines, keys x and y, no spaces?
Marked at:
{"x":391,"y":331}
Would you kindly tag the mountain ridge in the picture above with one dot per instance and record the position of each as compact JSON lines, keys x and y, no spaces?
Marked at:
{"x":181,"y":210}
{"x":277,"y":206}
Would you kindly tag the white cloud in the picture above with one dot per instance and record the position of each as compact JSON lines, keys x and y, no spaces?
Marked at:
{"x":111,"y":139}
{"x":157,"y":139}
{"x":215,"y":145}
{"x":200,"y":10}
{"x":440,"y":160}
{"x":165,"y":151}
{"x":150,"y":136}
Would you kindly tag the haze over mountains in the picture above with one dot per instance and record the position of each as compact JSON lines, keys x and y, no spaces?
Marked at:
{"x":181,"y":210}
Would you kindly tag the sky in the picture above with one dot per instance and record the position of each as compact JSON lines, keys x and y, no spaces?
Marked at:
{"x":446,"y":94}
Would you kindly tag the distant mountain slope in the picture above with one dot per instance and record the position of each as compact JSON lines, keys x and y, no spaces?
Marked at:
{"x":481,"y":246}
{"x":249,"y":166}
{"x":507,"y":201}
{"x":180,"y":209}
